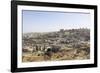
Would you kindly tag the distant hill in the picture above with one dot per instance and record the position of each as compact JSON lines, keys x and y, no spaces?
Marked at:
{"x":70,"y":34}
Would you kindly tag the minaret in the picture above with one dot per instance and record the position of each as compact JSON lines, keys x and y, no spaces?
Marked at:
{"x":61,"y":33}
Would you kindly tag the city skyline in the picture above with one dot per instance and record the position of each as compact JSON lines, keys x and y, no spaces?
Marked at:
{"x":42,"y":21}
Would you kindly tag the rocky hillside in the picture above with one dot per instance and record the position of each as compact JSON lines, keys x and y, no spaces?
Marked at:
{"x":58,"y":45}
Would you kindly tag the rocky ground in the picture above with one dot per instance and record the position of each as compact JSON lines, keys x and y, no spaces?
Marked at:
{"x":73,"y":44}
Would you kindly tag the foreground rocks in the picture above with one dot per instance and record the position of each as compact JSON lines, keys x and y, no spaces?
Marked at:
{"x":72,"y":54}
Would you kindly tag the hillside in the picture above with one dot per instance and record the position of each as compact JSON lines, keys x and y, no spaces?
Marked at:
{"x":71,"y":42}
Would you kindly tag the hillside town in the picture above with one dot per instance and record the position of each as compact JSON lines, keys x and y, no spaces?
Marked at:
{"x":69,"y":44}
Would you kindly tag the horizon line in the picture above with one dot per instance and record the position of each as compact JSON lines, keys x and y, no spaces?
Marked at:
{"x":54,"y":31}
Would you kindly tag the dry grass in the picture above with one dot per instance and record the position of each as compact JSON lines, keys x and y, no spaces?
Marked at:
{"x":72,"y":54}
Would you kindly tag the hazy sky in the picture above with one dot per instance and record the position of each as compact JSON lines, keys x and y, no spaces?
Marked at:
{"x":40,"y":21}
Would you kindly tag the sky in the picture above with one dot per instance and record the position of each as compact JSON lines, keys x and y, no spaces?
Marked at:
{"x":43,"y":21}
